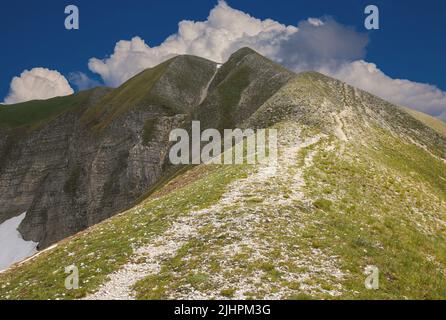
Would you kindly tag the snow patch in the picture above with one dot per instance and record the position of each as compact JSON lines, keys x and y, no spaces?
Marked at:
{"x":12,"y":246}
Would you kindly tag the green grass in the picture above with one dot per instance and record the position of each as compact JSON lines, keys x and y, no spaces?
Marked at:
{"x":228,"y":293}
{"x":133,"y":93}
{"x":148,"y":129}
{"x":105,"y":247}
{"x":429,"y":121}
{"x":230,"y":92}
{"x":385,"y":211}
{"x":33,"y":114}
{"x":322,"y":204}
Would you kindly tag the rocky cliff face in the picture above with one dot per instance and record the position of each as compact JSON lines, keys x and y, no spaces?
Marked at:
{"x":91,"y":161}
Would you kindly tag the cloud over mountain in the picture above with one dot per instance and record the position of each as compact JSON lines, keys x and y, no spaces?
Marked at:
{"x":82,"y":81}
{"x":38,"y":83}
{"x":319,"y":44}
{"x":311,"y":44}
{"x":314,"y":44}
{"x":225,"y":31}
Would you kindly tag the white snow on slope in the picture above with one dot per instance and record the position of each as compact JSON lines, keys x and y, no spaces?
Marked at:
{"x":12,"y":246}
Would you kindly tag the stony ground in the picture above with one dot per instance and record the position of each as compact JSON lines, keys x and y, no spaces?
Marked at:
{"x":267,"y":199}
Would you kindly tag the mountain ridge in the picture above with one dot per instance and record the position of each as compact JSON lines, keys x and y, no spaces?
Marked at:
{"x":359,"y":182}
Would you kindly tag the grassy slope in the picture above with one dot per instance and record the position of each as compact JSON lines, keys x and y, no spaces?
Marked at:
{"x":33,"y":114}
{"x":166,"y":85}
{"x":229,"y":93}
{"x":105,"y":247}
{"x":381,"y":208}
{"x":136,"y":90}
{"x":366,"y":206}
{"x":429,"y":121}
{"x":241,"y":85}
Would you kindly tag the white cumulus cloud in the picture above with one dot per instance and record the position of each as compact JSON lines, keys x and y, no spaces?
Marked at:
{"x":82,"y":81}
{"x":311,"y":44}
{"x":225,"y":31}
{"x":37,"y":84}
{"x":320,"y":44}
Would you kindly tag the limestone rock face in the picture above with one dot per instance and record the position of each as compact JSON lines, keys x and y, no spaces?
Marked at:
{"x":241,"y":86}
{"x":91,"y":161}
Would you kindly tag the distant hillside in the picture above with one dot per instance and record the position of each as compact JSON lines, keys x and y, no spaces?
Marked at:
{"x":432,"y":122}
{"x":37,"y":113}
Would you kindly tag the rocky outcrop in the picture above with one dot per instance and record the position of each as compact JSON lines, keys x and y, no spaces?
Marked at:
{"x":70,"y":173}
{"x":68,"y":178}
{"x":240,"y":87}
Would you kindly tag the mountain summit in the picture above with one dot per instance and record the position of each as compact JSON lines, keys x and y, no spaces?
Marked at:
{"x":360,"y":186}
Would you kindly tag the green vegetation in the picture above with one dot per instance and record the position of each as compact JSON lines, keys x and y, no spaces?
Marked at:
{"x":148,"y":129}
{"x":376,"y":208}
{"x":72,"y":182}
{"x":228,"y":293}
{"x":133,"y":93}
{"x":429,"y":121}
{"x":230,"y":92}
{"x":230,"y":65}
{"x":105,"y":247}
{"x":34,"y":114}
{"x":387,"y":212}
{"x":322,"y":204}
{"x":171,"y":86}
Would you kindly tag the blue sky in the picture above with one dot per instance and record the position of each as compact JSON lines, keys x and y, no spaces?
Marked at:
{"x":409,"y":45}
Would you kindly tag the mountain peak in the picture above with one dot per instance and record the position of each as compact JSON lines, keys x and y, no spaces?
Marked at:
{"x":347,"y":161}
{"x":244,"y":52}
